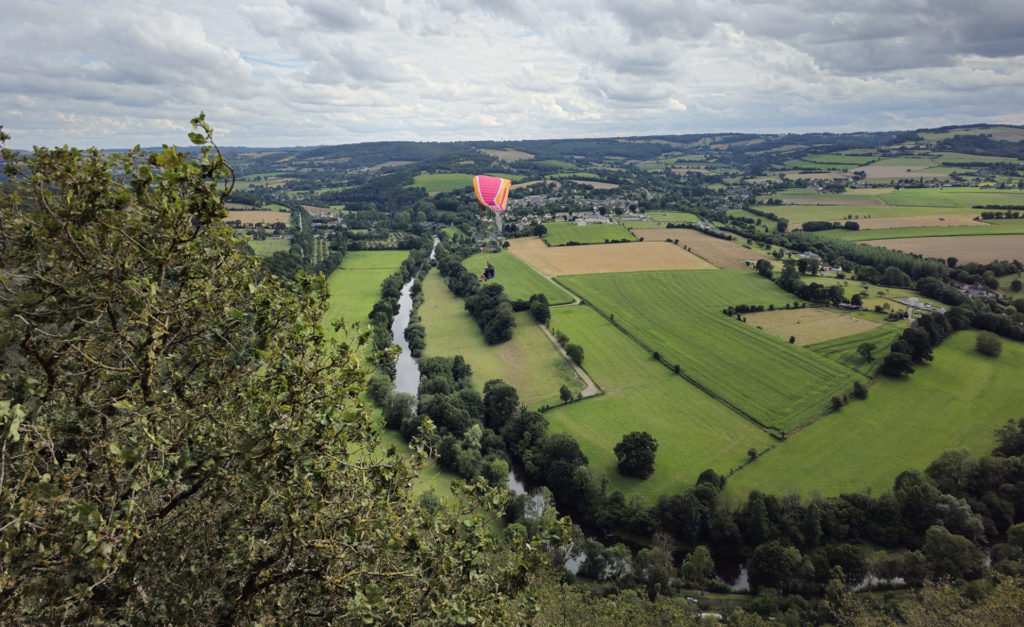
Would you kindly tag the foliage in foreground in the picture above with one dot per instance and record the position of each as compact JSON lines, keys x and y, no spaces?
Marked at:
{"x":180,"y":442}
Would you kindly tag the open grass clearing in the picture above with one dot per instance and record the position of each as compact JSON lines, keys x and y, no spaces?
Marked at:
{"x":980,"y":249}
{"x":322,"y":212}
{"x":561,"y":233}
{"x":844,"y":349}
{"x":508,"y":154}
{"x":918,"y":221}
{"x":679,"y":315}
{"x":673,"y":216}
{"x":267,"y":247}
{"x":720,"y":253}
{"x":597,"y":258}
{"x":809,"y":325}
{"x":871,"y":294}
{"x":520,"y":280}
{"x":694,"y":432}
{"x":980,"y":229}
{"x":529,"y":361}
{"x":355,"y":287}
{"x":444,"y":182}
{"x":957,"y":401}
{"x":260,"y":217}
{"x":596,"y":184}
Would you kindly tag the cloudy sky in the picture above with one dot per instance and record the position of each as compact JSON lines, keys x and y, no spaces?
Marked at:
{"x":308,"y":72}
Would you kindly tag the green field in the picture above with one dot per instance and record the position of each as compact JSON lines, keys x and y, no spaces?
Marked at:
{"x":529,"y":362}
{"x":267,"y":247}
{"x":890,"y":204}
{"x":694,"y":431}
{"x":560,"y":233}
{"x":679,"y":314}
{"x":843,"y":350}
{"x":673,"y":216}
{"x":520,"y":280}
{"x":995,"y":227}
{"x":355,"y":287}
{"x":443,"y":182}
{"x":955,"y":402}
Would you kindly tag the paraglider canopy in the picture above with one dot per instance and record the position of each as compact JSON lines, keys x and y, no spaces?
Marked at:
{"x":492,"y":192}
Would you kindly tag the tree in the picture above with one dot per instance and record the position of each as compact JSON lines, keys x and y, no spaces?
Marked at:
{"x":1016,"y":285}
{"x":176,"y":426}
{"x":539,"y":311}
{"x":897,"y":364}
{"x":575,"y":353}
{"x":698,"y":569}
{"x":764,"y":268}
{"x":565,"y":394}
{"x":635,"y":453}
{"x":865,"y":350}
{"x":988,"y":344}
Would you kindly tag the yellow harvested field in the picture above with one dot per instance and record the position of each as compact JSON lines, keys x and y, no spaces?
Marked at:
{"x":808,"y":326}
{"x":259,"y":217}
{"x":718,"y":252}
{"x":981,"y":249}
{"x":598,"y":258}
{"x":895,"y":223}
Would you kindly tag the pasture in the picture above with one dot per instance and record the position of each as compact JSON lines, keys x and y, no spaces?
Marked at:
{"x":679,"y":314}
{"x":597,"y":258}
{"x":843,"y":350}
{"x":983,"y":249}
{"x":520,"y":280}
{"x":355,"y":287}
{"x":694,"y":431}
{"x":529,"y":361}
{"x":957,"y":401}
{"x":561,"y":233}
{"x":260,"y":217}
{"x":445,"y":182}
{"x":508,"y":154}
{"x":725,"y":254}
{"x":267,"y":247}
{"x":980,"y":229}
{"x":808,"y":326}
{"x":673,"y":216}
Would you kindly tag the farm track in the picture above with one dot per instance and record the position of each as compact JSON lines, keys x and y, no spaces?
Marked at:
{"x":591,"y":388}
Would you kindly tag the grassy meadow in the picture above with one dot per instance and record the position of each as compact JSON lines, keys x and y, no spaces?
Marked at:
{"x":679,"y":314}
{"x":560,"y":233}
{"x":355,"y":287}
{"x":843,"y":350}
{"x":267,"y":247}
{"x":446,"y":182}
{"x":957,"y":401}
{"x":694,"y":431}
{"x":529,"y":361}
{"x":520,"y":280}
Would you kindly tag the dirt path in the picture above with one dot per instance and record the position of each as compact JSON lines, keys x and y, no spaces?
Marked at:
{"x":591,"y":388}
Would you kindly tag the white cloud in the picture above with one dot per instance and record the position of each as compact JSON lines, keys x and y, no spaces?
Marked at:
{"x":286,"y":72}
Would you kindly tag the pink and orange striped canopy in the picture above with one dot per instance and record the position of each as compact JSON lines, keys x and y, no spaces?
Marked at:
{"x":491,"y":191}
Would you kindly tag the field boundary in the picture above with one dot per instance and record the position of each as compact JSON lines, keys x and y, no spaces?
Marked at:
{"x":775,"y":433}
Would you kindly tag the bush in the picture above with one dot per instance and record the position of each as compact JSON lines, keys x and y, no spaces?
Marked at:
{"x":988,"y":344}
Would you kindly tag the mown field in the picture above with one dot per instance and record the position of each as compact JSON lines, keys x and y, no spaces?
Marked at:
{"x":260,"y":217}
{"x":626,"y":257}
{"x":679,"y":314}
{"x":267,"y":247}
{"x":529,"y":361}
{"x":694,"y":431}
{"x":673,"y":216}
{"x":520,"y":280}
{"x":446,"y":182}
{"x":561,"y":233}
{"x":957,"y":401}
{"x":355,"y":287}
{"x":843,"y":349}
{"x":996,"y":227}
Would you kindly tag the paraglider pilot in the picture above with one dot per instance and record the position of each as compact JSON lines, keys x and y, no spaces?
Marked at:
{"x":488,"y":272}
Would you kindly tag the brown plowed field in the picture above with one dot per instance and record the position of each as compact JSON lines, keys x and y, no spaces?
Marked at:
{"x":982,"y":249}
{"x":719,"y":252}
{"x":597,"y":258}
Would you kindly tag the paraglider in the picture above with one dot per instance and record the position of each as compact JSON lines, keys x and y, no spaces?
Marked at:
{"x":492,"y":192}
{"x":488,"y":272}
